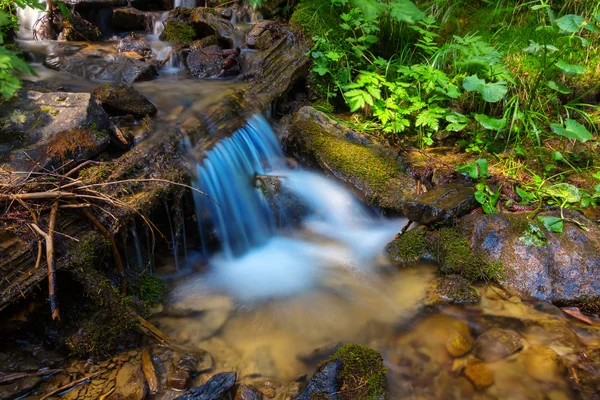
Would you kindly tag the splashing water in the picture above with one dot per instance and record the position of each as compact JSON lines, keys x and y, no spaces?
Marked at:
{"x":260,"y":258}
{"x":28,"y":17}
{"x":185,"y":3}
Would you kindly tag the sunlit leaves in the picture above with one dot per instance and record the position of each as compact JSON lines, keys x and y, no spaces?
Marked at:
{"x":537,"y":49}
{"x":457,"y":122}
{"x":559,"y":87}
{"x":553,"y":224}
{"x":571,"y":23}
{"x":572,"y":130}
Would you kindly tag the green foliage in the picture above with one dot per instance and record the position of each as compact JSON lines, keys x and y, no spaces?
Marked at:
{"x":151,"y":290}
{"x":363,"y":374}
{"x":534,"y":236}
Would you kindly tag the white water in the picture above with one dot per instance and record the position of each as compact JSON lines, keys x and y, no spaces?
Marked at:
{"x":185,"y":3}
{"x":27,"y":20}
{"x":261,"y":259}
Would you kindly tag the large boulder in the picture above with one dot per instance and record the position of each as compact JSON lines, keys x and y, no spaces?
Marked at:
{"x":135,"y":43}
{"x":215,"y":389}
{"x":123,"y":99}
{"x":441,"y":205}
{"x":46,"y":130}
{"x":100,"y":63}
{"x":567,"y":268}
{"x":374,"y":171}
{"x":206,"y":23}
{"x":75,"y":28}
{"x":129,"y":19}
{"x":205,"y":62}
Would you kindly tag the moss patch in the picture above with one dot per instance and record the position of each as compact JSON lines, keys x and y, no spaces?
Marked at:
{"x":365,"y":166}
{"x":456,"y":257}
{"x":408,"y":247}
{"x":179,"y":32}
{"x":151,"y":290}
{"x":316,"y":17}
{"x":362,"y":375}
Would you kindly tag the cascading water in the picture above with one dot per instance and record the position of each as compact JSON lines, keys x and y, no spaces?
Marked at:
{"x":28,"y":17}
{"x":185,"y":3}
{"x":259,"y":259}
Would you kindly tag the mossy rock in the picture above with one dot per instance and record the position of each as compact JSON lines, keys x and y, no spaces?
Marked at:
{"x":363,"y":374}
{"x":179,"y":32}
{"x":372,"y":170}
{"x":408,"y":247}
{"x":316,"y":18}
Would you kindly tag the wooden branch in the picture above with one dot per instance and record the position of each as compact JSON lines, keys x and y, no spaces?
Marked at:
{"x":153,"y":332}
{"x":105,"y":395}
{"x":49,"y":237}
{"x":113,"y":245}
{"x":149,"y":371}
{"x":11,"y":377}
{"x":71,"y":385}
{"x":81,"y":166}
{"x":39,"y":195}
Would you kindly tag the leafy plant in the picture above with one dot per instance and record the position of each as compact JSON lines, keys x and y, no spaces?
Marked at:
{"x":10,"y":63}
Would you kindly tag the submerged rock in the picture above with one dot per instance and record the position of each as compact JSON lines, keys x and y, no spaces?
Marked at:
{"x":377,"y":173}
{"x":566,"y":269}
{"x":44,"y":130}
{"x":130,"y":382}
{"x":497,"y":343}
{"x":441,"y":205}
{"x":451,"y":289}
{"x":134,"y":43}
{"x":215,"y":389}
{"x":123,"y":99}
{"x":480,"y":375}
{"x":129,"y":19}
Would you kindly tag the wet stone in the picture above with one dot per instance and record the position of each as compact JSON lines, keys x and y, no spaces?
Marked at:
{"x":441,"y":205}
{"x":541,"y":363}
{"x":214,"y":389}
{"x":193,"y":363}
{"x":247,"y":393}
{"x":18,"y":388}
{"x":178,"y":379}
{"x":459,"y":343}
{"x":480,"y":375}
{"x":497,"y":343}
{"x":130,"y":382}
{"x":319,"y":354}
{"x":324,"y":381}
{"x":451,"y":289}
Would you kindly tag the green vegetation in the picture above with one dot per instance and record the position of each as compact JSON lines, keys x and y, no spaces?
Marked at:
{"x":362,"y":375}
{"x":410,"y":246}
{"x":179,"y":32}
{"x":513,"y":83}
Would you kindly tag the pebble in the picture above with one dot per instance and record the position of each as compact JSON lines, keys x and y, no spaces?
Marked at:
{"x":496,"y":344}
{"x":480,"y":375}
{"x":541,"y":363}
{"x":459,"y":344}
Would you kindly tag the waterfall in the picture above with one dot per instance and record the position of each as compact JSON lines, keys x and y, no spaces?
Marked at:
{"x":259,"y":258}
{"x":185,"y":3}
{"x":158,"y":25}
{"x":28,"y":17}
{"x":138,"y":247}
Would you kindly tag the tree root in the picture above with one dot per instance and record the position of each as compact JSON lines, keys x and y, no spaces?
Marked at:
{"x":149,"y":371}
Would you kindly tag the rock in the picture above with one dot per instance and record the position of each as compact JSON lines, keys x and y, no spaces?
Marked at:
{"x":134,"y":43}
{"x":361,"y":163}
{"x":291,"y":391}
{"x":345,"y":374}
{"x":480,"y":375}
{"x":126,"y":19}
{"x":207,"y":23}
{"x":214,"y":389}
{"x":497,"y":343}
{"x":408,"y":247}
{"x":43,"y":130}
{"x":130,"y":382}
{"x":441,"y":205}
{"x":459,"y":343}
{"x":193,"y":363}
{"x":19,"y":388}
{"x":566,"y":269}
{"x":259,"y":36}
{"x":541,"y":363}
{"x":205,"y":62}
{"x":123,"y":99}
{"x":247,"y":393}
{"x":96,"y":3}
{"x":323,"y":382}
{"x":98,"y":63}
{"x":178,"y":379}
{"x":75,"y":28}
{"x":451,"y":289}
{"x":226,"y":13}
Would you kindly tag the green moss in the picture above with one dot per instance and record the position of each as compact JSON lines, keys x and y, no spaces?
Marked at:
{"x":179,"y":32}
{"x":90,"y":248}
{"x":317,"y":18}
{"x":456,"y":257}
{"x":151,"y":290}
{"x":363,"y":373}
{"x":410,"y":246}
{"x":365,"y":166}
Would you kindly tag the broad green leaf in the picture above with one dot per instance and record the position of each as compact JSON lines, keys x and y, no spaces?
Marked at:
{"x":333,"y":55}
{"x":483,"y":167}
{"x":553,"y":224}
{"x":525,"y":196}
{"x":572,"y":130}
{"x":559,"y":87}
{"x":563,"y":191}
{"x":472,"y":83}
{"x":571,"y":69}
{"x":457,"y":122}
{"x":557,"y":156}
{"x":570,"y":23}
{"x":493,"y":124}
{"x":491,"y":92}
{"x":533,"y":236}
